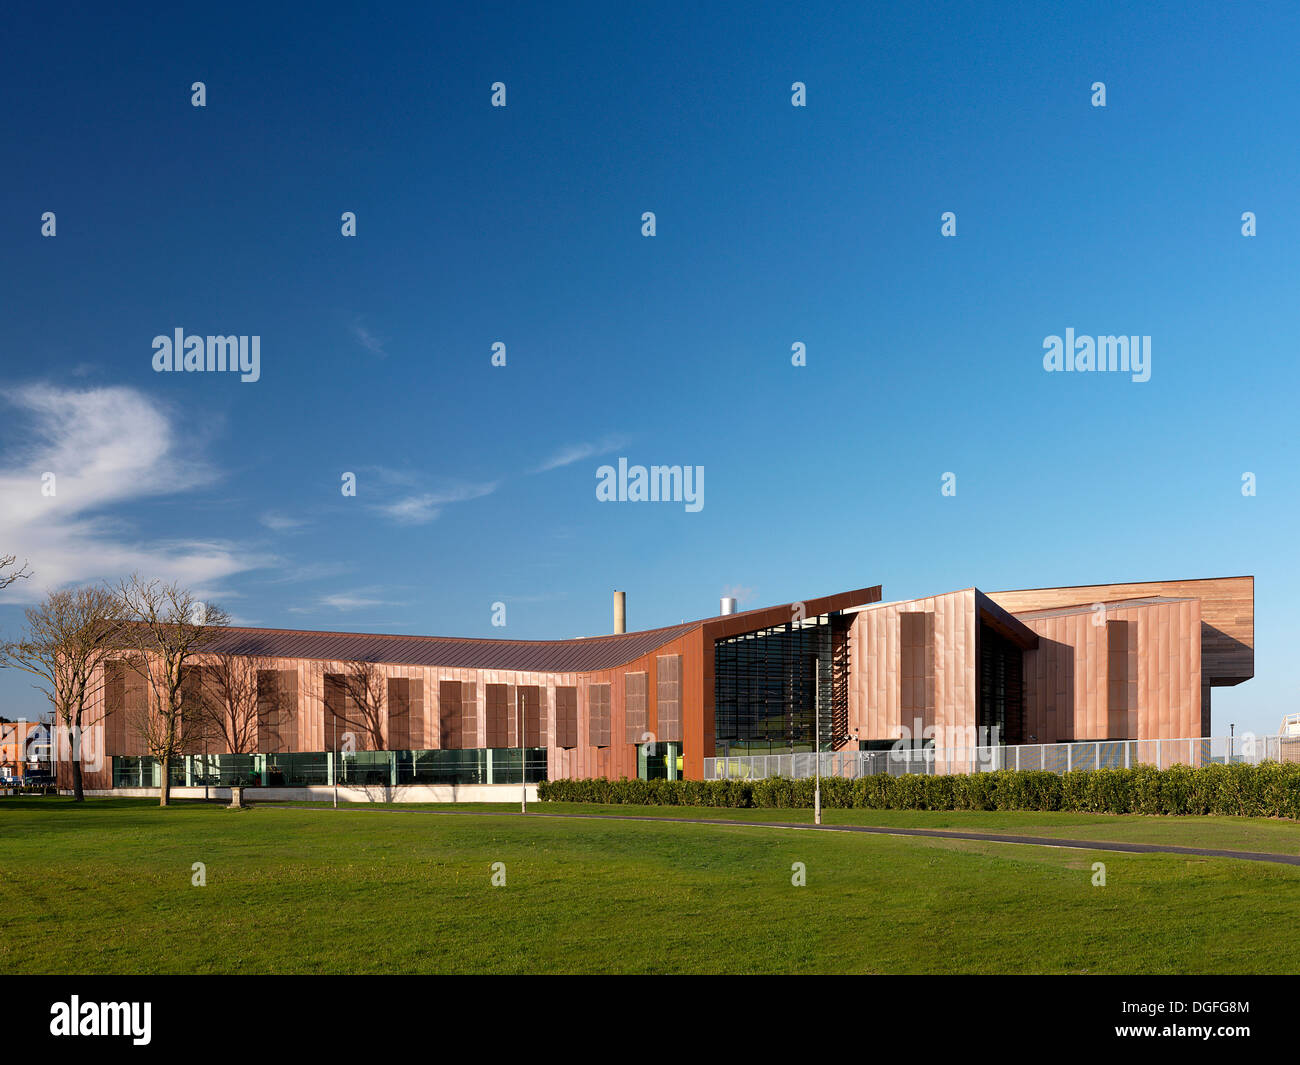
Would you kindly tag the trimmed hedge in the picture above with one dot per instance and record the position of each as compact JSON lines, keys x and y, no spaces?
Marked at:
{"x":1269,"y":789}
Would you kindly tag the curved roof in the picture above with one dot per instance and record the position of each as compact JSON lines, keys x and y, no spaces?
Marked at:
{"x":530,"y":656}
{"x":581,"y":655}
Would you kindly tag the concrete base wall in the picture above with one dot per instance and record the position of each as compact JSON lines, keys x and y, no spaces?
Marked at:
{"x":323,"y":793}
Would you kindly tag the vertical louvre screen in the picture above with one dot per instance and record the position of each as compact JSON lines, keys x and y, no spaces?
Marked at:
{"x":1121,"y":679}
{"x":469,"y":714}
{"x":566,"y":717}
{"x":287,"y":707}
{"x":1001,"y":689}
{"x":415,"y":710}
{"x":199,"y":734}
{"x":336,"y":725}
{"x":136,"y":704}
{"x":841,"y":668}
{"x":449,"y":715}
{"x":498,"y":715}
{"x":634,"y":704}
{"x":774,"y":688}
{"x":399,"y":714}
{"x":668,"y":674}
{"x":598,"y":714}
{"x":530,"y":707}
{"x":916,"y":668}
{"x":270,"y":717}
{"x":115,"y":706}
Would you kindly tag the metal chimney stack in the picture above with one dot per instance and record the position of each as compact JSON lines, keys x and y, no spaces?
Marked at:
{"x":620,"y":612}
{"x":727,"y":604}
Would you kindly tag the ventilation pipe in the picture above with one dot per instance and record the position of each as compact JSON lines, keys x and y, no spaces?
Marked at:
{"x":727,"y":604}
{"x":620,"y":612}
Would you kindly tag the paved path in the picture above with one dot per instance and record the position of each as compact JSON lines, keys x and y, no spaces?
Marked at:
{"x":934,"y":833}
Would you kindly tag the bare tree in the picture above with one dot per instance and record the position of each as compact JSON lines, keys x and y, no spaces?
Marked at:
{"x":364,"y":687}
{"x":8,"y":562}
{"x":167,"y":627}
{"x":70,"y":634}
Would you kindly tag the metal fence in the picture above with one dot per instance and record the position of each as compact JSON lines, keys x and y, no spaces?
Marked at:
{"x":1053,"y":757}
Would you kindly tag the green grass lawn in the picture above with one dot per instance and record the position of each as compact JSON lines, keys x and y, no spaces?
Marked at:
{"x":1266,"y":835}
{"x":105,"y":887}
{"x":1217,"y":833}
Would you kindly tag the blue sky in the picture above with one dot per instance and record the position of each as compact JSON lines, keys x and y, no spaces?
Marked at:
{"x":775,"y":224}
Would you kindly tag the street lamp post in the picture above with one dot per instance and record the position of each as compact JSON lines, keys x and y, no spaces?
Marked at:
{"x":817,"y":751}
{"x":523,"y":775}
{"x":1232,"y":742}
{"x":335,"y":774}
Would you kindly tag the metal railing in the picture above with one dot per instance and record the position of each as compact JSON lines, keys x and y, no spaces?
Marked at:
{"x":1053,"y":757}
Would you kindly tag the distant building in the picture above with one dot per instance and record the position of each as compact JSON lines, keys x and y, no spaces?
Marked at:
{"x":24,"y":749}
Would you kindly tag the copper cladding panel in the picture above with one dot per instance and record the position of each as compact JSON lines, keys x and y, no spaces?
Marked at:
{"x":939,"y":652}
{"x":1070,"y":677}
{"x":1227,"y":606}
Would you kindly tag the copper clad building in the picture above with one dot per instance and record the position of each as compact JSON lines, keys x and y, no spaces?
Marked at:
{"x":1046,"y":665}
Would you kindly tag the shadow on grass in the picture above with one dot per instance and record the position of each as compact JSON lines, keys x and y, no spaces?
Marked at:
{"x":48,"y":803}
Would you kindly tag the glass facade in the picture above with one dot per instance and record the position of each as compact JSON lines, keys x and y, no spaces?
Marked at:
{"x":135,"y":773}
{"x":776,"y":688}
{"x":297,"y":770}
{"x":1001,"y":689}
{"x":483,"y":765}
{"x":659,"y":761}
{"x":301,"y":769}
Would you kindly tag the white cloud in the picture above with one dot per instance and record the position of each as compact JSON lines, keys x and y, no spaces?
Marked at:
{"x":571,"y":453}
{"x":368,"y":340}
{"x":356,"y":599}
{"x":106,"y":447}
{"x":311,"y":571}
{"x":351,"y":602}
{"x":426,"y":506}
{"x":413,"y":510}
{"x":281,"y":522}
